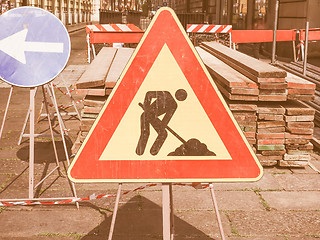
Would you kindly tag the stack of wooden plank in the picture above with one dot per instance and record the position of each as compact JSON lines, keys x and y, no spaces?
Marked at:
{"x":299,"y":131}
{"x":246,"y":116}
{"x":271,"y":81}
{"x":312,"y":76}
{"x":232,"y":84}
{"x":270,"y":133}
{"x":299,"y":88}
{"x":279,"y":128}
{"x":96,"y":83}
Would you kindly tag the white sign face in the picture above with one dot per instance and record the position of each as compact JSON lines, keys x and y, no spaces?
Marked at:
{"x":34,"y":47}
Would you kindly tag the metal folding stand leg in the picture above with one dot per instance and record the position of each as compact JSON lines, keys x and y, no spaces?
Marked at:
{"x":214,"y":200}
{"x":31,"y":135}
{"x":63,"y":138}
{"x":54,"y":102}
{"x":72,"y":100}
{"x":6,"y":111}
{"x":115,"y":211}
{"x":167,"y":212}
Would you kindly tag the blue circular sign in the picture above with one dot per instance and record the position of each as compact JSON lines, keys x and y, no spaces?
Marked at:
{"x":34,"y":46}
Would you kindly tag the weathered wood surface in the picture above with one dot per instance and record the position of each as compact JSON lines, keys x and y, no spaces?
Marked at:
{"x":225,"y":74}
{"x":119,"y":62}
{"x":295,"y":108}
{"x":251,"y":65}
{"x":97,"y":71}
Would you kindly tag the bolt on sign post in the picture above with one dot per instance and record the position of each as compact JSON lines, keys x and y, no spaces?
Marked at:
{"x":165,"y":121}
{"x":34,"y":49}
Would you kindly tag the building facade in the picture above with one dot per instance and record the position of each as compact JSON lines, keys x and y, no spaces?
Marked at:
{"x":68,"y":11}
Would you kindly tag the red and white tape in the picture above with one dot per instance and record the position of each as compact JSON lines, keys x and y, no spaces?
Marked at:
{"x":64,"y":93}
{"x":93,"y":196}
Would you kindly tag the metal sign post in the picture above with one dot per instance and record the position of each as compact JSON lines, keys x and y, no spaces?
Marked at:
{"x":35,"y":46}
{"x":167,"y":212}
{"x":274,"y":43}
{"x":31,"y":143}
{"x":306,"y":49}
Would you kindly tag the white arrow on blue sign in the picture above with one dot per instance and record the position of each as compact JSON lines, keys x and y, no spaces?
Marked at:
{"x":34,"y":46}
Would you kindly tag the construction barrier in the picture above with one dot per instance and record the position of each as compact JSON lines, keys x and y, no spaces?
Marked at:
{"x":258,"y":36}
{"x":205,"y":28}
{"x":111,"y":33}
{"x":314,"y":34}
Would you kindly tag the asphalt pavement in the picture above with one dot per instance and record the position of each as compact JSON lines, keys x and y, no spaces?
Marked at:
{"x":284,"y":204}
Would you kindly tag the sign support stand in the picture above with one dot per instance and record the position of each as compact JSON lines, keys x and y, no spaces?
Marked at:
{"x":214,"y":200}
{"x":115,"y":211}
{"x":167,"y":212}
{"x":6,"y":111}
{"x":31,"y":116}
{"x":62,"y":136}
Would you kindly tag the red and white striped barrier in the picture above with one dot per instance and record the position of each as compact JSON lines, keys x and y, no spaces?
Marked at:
{"x":112,"y":28}
{"x":204,"y":28}
{"x":94,"y":196}
{"x":111,"y":33}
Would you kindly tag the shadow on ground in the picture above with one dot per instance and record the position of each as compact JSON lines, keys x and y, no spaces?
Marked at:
{"x":44,"y":152}
{"x":141,"y":219}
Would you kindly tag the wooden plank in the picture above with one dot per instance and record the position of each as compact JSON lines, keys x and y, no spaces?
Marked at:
{"x":272,"y":85}
{"x":240,"y":106}
{"x":273,"y":153}
{"x":94,"y":101}
{"x":271,"y":130}
{"x":245,"y":117}
{"x":297,"y":136}
{"x":95,"y":110}
{"x":272,"y":91}
{"x":295,"y":108}
{"x":274,"y":98}
{"x":294,"y":81}
{"x":270,"y":141}
{"x":270,"y":108}
{"x":300,"y":125}
{"x":298,"y":91}
{"x":120,"y":61}
{"x":303,"y":131}
{"x":270,"y":117}
{"x":301,"y":97}
{"x":97,"y":71}
{"x":300,"y":118}
{"x":238,"y":68}
{"x":270,"y":124}
{"x":252,"y":65}
{"x":91,"y":92}
{"x":236,"y":96}
{"x":270,"y":147}
{"x":269,"y":135}
{"x":224,"y":73}
{"x":297,"y":164}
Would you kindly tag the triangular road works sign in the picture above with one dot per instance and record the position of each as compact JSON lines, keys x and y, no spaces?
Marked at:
{"x":165,"y":120}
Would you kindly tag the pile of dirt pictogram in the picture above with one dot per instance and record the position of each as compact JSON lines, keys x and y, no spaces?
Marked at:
{"x":193,"y":147}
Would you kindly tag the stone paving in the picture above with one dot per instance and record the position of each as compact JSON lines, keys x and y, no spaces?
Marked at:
{"x":284,"y":204}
